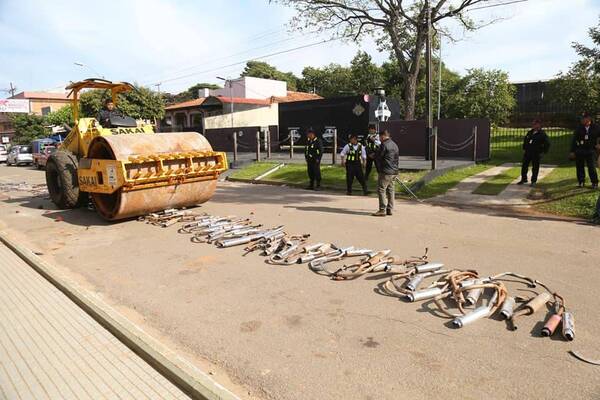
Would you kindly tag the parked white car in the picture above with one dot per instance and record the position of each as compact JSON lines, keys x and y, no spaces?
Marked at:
{"x":19,"y":155}
{"x":3,"y":153}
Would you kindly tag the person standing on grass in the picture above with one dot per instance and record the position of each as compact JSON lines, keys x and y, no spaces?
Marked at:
{"x":387,"y":159}
{"x":313,"y":151}
{"x":354,"y":157}
{"x":535,"y":144}
{"x":371,"y":143}
{"x":583,"y":150}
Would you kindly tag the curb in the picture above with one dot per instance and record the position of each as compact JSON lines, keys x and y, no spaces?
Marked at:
{"x":176,"y":369}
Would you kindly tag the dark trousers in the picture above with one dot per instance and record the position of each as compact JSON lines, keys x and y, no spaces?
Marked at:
{"x":581,"y":160}
{"x":354,"y":169}
{"x":534,"y":160}
{"x":368,"y":168}
{"x":313,"y":168}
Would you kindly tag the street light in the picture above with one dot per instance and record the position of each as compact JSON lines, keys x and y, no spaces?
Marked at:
{"x":228,"y":80}
{"x":82,"y":65}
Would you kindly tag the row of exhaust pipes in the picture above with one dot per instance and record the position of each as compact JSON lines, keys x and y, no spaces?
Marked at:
{"x":460,"y":295}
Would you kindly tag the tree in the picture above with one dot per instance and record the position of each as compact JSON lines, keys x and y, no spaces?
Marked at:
{"x":481,"y":94}
{"x":28,"y":127}
{"x":62,"y":116}
{"x":332,"y":80}
{"x":261,"y":69}
{"x":188,"y":94}
{"x":141,"y":103}
{"x":579,"y":87}
{"x":366,"y":75}
{"x":398,"y":25}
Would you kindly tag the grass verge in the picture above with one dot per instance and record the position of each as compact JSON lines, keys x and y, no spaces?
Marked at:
{"x":495,"y":185}
{"x":560,"y":195}
{"x":333,"y":177}
{"x":442,"y":184}
{"x":253,"y":170}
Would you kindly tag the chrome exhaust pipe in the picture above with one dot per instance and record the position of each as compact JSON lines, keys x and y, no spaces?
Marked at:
{"x":473,"y":295}
{"x":479,"y":313}
{"x":414,"y":282}
{"x":508,"y":307}
{"x":429,"y":267}
{"x":424,"y":294}
{"x":568,"y":326}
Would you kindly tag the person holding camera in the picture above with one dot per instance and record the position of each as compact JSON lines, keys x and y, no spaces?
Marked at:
{"x":387,"y":159}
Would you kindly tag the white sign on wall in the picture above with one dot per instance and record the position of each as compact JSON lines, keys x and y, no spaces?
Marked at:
{"x":14,"y":106}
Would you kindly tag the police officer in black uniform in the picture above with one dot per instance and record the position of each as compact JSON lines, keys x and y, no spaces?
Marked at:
{"x":371,"y":143}
{"x":313,"y":151}
{"x":353,"y":157}
{"x":107,"y":112}
{"x":535,"y":144}
{"x":583,"y":150}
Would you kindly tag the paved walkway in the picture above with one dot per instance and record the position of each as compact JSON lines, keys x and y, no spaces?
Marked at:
{"x":513,"y":195}
{"x":51,"y":349}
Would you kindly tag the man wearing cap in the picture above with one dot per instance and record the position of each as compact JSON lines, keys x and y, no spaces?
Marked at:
{"x":583,"y":150}
{"x":313,"y":151}
{"x":371,"y":143}
{"x":387,"y":158}
{"x":354,"y":157}
{"x":535,"y":144}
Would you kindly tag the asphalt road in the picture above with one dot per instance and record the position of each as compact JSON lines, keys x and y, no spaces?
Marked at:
{"x":286,"y":333}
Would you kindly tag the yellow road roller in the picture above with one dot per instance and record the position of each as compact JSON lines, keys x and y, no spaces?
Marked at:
{"x":127,"y":169}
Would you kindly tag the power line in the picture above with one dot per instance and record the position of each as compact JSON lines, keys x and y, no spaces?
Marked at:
{"x":253,"y":58}
{"x":497,"y":5}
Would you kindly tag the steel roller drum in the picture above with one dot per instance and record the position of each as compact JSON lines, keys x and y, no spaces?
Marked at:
{"x":126,"y":204}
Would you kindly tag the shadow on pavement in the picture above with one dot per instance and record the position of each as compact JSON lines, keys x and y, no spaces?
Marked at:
{"x":333,"y":210}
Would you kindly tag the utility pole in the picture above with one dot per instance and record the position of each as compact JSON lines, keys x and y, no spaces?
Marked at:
{"x":158,"y":87}
{"x":12,"y":90}
{"x":430,"y":155}
{"x":439,"y":109}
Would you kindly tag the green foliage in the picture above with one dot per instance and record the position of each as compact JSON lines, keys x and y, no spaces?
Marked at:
{"x":141,"y":103}
{"x":61,"y":116}
{"x":366,"y":75}
{"x":333,"y":80}
{"x":188,"y":94}
{"x":28,"y":127}
{"x":261,"y":69}
{"x":483,"y":94}
{"x":580,"y":86}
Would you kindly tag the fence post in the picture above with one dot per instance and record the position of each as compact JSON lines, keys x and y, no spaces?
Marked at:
{"x":234,"y":147}
{"x":258,"y":145}
{"x":268,"y":133}
{"x":475,"y":143}
{"x":335,"y":145}
{"x":434,"y":150}
{"x":291,"y":144}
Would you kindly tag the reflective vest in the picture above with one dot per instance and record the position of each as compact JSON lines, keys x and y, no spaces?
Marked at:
{"x":353,"y":154}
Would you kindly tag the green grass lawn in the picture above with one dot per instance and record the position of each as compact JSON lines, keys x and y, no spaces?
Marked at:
{"x":496,"y":184}
{"x":560,"y":194}
{"x":442,"y":184}
{"x":507,"y":144}
{"x":253,"y":170}
{"x":333,"y":177}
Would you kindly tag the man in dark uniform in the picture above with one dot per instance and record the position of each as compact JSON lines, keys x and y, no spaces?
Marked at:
{"x":535,"y":144}
{"x":313,"y":151}
{"x":583,"y":150}
{"x":107,"y":112}
{"x":353,"y":157}
{"x":371,"y":143}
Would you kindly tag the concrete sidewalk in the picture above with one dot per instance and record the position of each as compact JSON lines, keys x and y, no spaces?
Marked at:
{"x":51,"y":349}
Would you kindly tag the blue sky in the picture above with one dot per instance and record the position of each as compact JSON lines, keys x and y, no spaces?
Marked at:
{"x":181,"y":42}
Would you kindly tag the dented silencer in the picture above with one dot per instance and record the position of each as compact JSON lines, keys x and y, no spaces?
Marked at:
{"x":424,"y":294}
{"x":568,"y":326}
{"x":508,"y":307}
{"x":429,"y":267}
{"x":551,"y":325}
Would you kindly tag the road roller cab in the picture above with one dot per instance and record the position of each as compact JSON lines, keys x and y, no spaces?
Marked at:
{"x":130,"y":170}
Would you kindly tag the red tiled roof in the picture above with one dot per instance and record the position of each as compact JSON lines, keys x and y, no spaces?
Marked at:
{"x":296,"y":96}
{"x":41,"y":95}
{"x":186,"y":104}
{"x":243,"y":100}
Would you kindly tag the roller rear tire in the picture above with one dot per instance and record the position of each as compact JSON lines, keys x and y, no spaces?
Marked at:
{"x":61,"y":179}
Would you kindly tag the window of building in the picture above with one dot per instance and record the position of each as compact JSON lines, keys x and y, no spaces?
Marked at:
{"x":46,"y":110}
